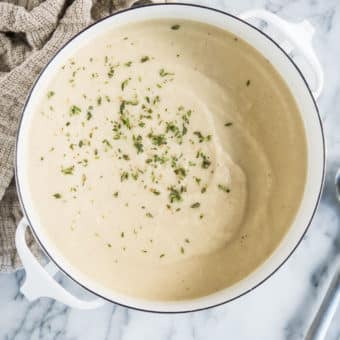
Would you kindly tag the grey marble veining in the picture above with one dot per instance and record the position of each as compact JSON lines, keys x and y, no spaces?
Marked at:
{"x":281,"y":308}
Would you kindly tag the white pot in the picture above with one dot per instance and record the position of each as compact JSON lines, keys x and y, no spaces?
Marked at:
{"x":39,"y":281}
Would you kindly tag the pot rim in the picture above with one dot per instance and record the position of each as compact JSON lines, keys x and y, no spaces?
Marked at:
{"x":311,"y":216}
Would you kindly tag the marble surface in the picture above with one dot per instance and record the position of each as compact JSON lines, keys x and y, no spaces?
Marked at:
{"x":283,"y":307}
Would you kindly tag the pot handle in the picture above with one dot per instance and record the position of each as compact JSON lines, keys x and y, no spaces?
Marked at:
{"x":299,"y":37}
{"x":39,"y":281}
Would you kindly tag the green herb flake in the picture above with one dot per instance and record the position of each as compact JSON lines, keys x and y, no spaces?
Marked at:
{"x":135,"y":175}
{"x":68,"y":171}
{"x":83,"y":179}
{"x":180,"y":173}
{"x":157,"y":139}
{"x":164,"y":73}
{"x":137,"y":143}
{"x":75,"y":110}
{"x":116,"y":194}
{"x":128,"y":64}
{"x":175,"y":27}
{"x":122,"y":234}
{"x":107,"y":143}
{"x":111,"y":72}
{"x":228,"y":124}
{"x":162,"y":255}
{"x":201,"y":138}
{"x":174,"y":195}
{"x":124,"y":176}
{"x":223,"y":188}
{"x":205,"y":160}
{"x":109,"y":245}
{"x":84,"y":162}
{"x":182,"y":250}
{"x":50,"y":94}
{"x":148,"y":214}
{"x":156,"y":100}
{"x":144,"y":59}
{"x":205,"y":163}
{"x":99,"y":100}
{"x":57,"y":195}
{"x":124,"y":83}
{"x":197,"y":180}
{"x":195,"y":205}
{"x":155,"y":191}
{"x":248,"y":82}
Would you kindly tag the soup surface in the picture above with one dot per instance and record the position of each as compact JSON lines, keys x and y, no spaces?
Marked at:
{"x":166,"y":160}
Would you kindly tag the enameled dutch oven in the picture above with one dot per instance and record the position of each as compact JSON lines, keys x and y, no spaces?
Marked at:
{"x":298,"y":37}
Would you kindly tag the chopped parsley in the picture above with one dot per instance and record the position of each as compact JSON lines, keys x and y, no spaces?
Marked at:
{"x":83,"y":179}
{"x":155,"y":192}
{"x":205,"y":160}
{"x":137,"y":143}
{"x":68,"y":171}
{"x":201,"y":138}
{"x":144,"y":59}
{"x":195,"y":205}
{"x":107,"y":143}
{"x":180,"y":172}
{"x":57,"y":195}
{"x":124,"y":176}
{"x":164,"y":73}
{"x":174,"y":195}
{"x":111,"y":71}
{"x":75,"y":110}
{"x":50,"y":94}
{"x":175,"y":27}
{"x":157,"y":139}
{"x":124,"y":83}
{"x":223,"y":188}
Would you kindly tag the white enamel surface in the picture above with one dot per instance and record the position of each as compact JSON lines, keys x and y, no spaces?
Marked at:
{"x":39,"y":280}
{"x":297,"y":36}
{"x":310,"y":119}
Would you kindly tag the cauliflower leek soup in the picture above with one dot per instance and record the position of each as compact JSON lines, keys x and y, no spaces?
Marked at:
{"x":166,"y":160}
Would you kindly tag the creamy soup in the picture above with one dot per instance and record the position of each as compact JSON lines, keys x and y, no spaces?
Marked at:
{"x":166,"y":160}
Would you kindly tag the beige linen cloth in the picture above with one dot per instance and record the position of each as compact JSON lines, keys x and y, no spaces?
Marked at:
{"x":31,"y":32}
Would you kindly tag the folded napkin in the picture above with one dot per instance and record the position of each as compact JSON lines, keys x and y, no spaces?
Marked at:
{"x":31,"y":32}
